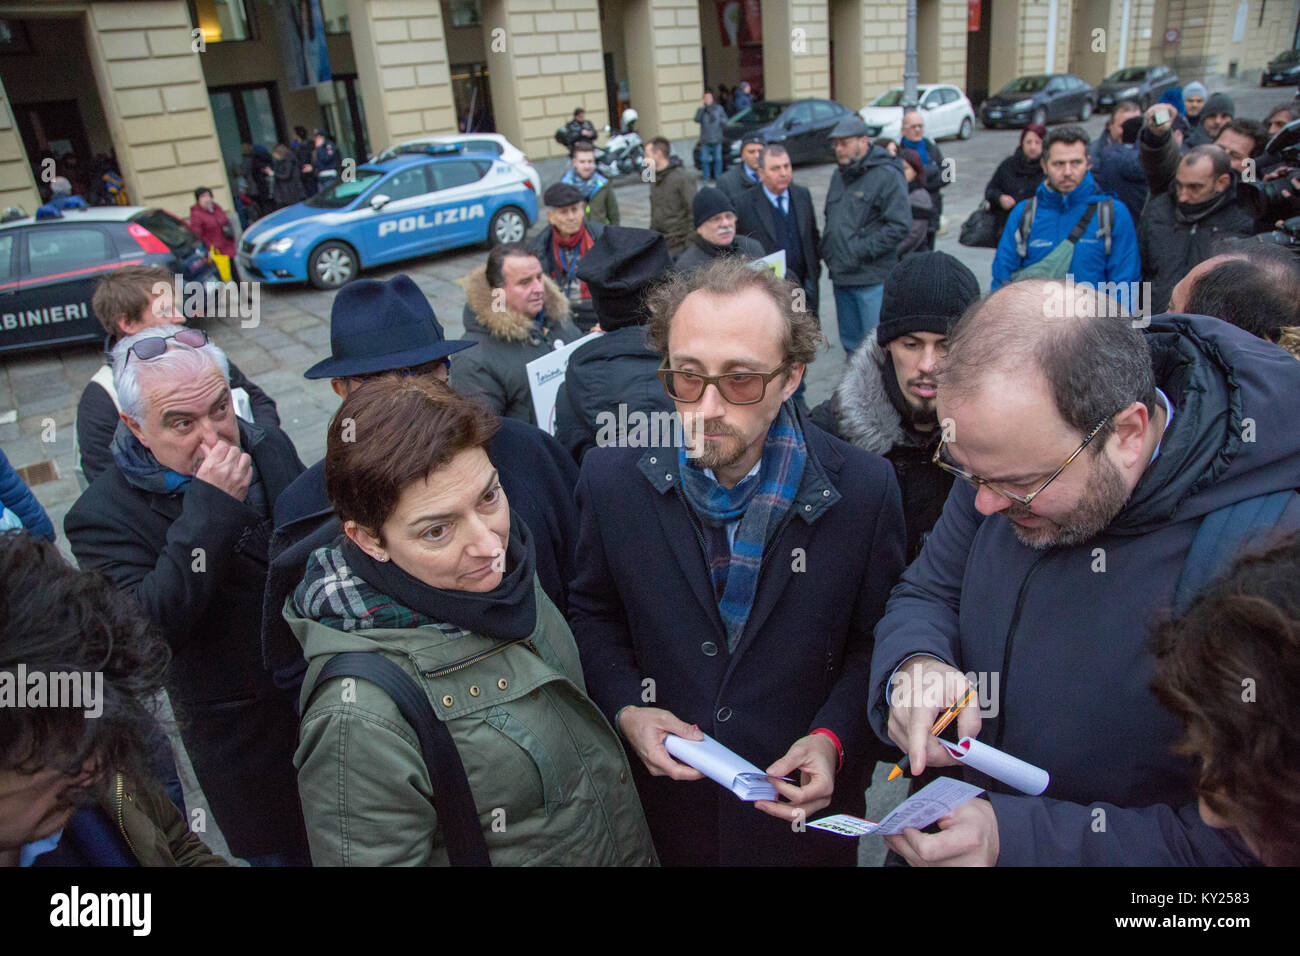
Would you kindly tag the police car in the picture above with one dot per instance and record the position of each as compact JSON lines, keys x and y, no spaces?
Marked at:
{"x":407,"y":206}
{"x":49,"y":268}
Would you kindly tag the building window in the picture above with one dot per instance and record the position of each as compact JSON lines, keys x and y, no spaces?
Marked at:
{"x":223,"y":21}
{"x":335,"y":15}
{"x":465,"y":13}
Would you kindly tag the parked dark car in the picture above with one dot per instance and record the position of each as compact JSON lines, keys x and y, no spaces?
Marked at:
{"x":802,"y":126}
{"x":1041,"y":98}
{"x":49,"y":267}
{"x":1283,"y":68}
{"x":1144,"y":84}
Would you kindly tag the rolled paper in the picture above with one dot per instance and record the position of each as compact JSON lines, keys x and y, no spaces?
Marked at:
{"x":1010,"y":770}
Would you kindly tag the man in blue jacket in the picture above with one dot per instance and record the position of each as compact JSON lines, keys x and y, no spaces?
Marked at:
{"x":735,"y":590}
{"x":1066,"y":195}
{"x":1090,"y":455}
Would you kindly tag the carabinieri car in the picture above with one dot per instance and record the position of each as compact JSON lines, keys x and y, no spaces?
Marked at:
{"x":408,"y":206}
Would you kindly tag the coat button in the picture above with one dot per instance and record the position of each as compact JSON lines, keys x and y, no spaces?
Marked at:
{"x":474,"y":691}
{"x":448,"y":700}
{"x":724,"y":713}
{"x":622,"y":776}
{"x":503,"y":683}
{"x":654,"y":461}
{"x":709,"y":648}
{"x":668,"y":477}
{"x":826,"y":494}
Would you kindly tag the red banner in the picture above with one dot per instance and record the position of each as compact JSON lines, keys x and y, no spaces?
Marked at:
{"x":972,"y":16}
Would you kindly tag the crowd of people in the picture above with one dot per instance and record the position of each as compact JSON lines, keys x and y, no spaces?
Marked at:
{"x":458,"y":640}
{"x":270,"y":179}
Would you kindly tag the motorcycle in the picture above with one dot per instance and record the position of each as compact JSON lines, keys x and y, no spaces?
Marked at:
{"x":623,"y":153}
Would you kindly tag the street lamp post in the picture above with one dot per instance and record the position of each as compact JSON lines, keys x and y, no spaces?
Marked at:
{"x":909,"y":59}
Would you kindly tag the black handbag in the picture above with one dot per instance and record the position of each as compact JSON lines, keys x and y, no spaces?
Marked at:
{"x":228,"y":230}
{"x":982,"y":228}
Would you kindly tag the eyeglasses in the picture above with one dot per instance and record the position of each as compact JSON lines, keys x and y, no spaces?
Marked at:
{"x":738,"y":388}
{"x":155,"y":346}
{"x":953,"y":469}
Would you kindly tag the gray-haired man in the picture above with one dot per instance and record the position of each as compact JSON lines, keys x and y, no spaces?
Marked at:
{"x":181,"y":521}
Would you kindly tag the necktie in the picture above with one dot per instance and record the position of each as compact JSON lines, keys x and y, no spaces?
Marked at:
{"x":783,"y":209}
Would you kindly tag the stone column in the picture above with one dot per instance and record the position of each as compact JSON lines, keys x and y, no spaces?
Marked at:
{"x":796,"y":51}
{"x":155,"y":100}
{"x":401,"y":58}
{"x":17,"y":187}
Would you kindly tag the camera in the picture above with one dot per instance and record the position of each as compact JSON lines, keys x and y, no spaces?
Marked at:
{"x":1265,"y":201}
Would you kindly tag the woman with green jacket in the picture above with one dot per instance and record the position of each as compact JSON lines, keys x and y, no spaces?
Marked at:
{"x":433,"y":574}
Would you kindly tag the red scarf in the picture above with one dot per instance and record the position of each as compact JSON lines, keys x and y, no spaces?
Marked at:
{"x":569,"y":249}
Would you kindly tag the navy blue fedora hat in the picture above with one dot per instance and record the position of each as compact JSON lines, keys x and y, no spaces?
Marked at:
{"x":382,"y":326}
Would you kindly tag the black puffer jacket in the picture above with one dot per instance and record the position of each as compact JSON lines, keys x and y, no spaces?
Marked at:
{"x":1015,"y":176}
{"x":867,"y":216}
{"x":616,"y":369}
{"x":1171,"y":242}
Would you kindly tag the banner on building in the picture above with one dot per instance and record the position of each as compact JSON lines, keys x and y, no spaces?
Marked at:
{"x":972,"y":16}
{"x":302,"y":34}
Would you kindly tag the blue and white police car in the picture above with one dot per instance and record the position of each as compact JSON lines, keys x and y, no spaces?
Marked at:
{"x":411,"y":205}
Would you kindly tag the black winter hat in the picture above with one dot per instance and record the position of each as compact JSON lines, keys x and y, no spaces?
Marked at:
{"x":1219,"y":103}
{"x":1131,"y":127}
{"x":619,"y":269}
{"x":927,"y":292}
{"x":708,"y":202}
{"x":560,"y":195}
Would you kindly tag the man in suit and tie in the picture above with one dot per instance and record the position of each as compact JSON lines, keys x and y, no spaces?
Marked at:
{"x":780,"y":215}
{"x":743,"y":176}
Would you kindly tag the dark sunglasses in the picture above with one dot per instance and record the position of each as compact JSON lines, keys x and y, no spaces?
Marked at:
{"x":151,"y":348}
{"x":738,"y":388}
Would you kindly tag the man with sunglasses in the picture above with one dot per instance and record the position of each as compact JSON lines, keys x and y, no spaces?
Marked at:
{"x":126,"y":301}
{"x":730,"y":586}
{"x":181,"y":522}
{"x":1101,"y":470}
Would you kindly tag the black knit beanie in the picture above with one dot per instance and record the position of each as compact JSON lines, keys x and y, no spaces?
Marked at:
{"x":927,"y":292}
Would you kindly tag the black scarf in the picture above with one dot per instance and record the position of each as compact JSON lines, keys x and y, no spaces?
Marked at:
{"x":506,"y":613}
{"x":715,"y":251}
{"x":905,"y":411}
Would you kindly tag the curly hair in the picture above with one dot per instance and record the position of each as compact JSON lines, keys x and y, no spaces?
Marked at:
{"x":728,"y":276}
{"x":1229,"y":667}
{"x":55,"y":619}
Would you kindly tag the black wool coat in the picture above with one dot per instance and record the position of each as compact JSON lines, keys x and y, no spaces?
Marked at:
{"x":643,"y":611}
{"x":239,"y":729}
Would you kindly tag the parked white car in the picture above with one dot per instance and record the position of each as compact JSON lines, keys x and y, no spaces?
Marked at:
{"x":947,"y":112}
{"x":473,"y":142}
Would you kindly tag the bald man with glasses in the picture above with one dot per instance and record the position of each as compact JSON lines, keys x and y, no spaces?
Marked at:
{"x":729,"y":586}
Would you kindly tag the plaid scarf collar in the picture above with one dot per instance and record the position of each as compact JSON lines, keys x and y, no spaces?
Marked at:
{"x":760,"y":503}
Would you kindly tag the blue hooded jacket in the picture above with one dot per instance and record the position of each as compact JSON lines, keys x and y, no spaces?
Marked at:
{"x":1068,"y":638}
{"x":1056,"y":216}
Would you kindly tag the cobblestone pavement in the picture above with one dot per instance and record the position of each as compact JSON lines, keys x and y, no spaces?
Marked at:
{"x":42,"y":388}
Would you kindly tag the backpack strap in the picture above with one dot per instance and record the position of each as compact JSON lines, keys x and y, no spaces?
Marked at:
{"x":1219,"y":540}
{"x":1106,"y":221}
{"x":1026,"y":224}
{"x":452,"y":798}
{"x":1081,"y":226}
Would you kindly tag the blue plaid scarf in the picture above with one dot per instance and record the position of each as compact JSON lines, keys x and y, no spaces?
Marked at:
{"x":760,"y":502}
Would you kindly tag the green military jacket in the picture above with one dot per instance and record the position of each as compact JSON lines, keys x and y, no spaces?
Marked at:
{"x":550,"y":781}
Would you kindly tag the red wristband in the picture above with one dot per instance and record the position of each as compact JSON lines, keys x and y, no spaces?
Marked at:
{"x":839,"y":747}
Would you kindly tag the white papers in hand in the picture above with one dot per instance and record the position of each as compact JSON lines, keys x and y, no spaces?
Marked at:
{"x":934,"y":800}
{"x":1012,"y":771}
{"x":723,"y":766}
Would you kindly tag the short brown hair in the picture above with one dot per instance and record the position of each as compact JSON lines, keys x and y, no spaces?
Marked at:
{"x":390,"y":433}
{"x":1244,"y":627}
{"x":663,"y":146}
{"x":126,"y":292}
{"x":584,"y":146}
{"x":728,"y":276}
{"x":495,"y":273}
